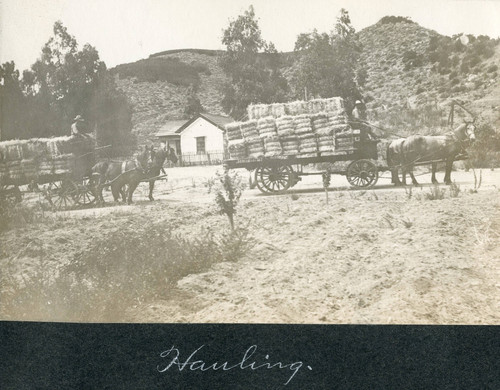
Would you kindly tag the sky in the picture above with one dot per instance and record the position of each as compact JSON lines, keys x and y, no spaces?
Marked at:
{"x":128,"y":30}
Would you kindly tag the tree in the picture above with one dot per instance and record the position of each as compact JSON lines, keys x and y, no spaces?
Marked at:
{"x":65,"y":82}
{"x":227,"y":188}
{"x":12,"y":102}
{"x":193,"y":105}
{"x":328,"y":63}
{"x":253,"y":66}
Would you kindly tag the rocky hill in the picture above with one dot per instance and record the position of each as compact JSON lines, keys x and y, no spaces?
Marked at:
{"x":418,"y":70}
{"x":412,"y":75}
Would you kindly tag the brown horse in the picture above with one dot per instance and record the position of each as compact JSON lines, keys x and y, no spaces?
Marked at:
{"x":116,"y":174}
{"x":405,"y":153}
{"x":158,"y":159}
{"x":128,"y":174}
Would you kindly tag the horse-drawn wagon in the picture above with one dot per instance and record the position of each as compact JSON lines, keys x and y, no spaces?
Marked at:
{"x":62,"y":164}
{"x":278,"y":140}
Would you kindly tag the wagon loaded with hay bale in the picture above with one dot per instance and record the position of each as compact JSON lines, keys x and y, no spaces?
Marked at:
{"x":279,"y":139}
{"x":62,"y":164}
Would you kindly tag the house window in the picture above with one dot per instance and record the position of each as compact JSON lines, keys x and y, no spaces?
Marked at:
{"x":200,"y":145}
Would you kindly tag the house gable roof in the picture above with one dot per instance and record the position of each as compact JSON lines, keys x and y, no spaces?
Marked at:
{"x":174,"y":128}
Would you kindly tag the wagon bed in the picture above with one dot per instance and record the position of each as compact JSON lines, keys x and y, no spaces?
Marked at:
{"x":277,"y":174}
{"x":61,"y":164}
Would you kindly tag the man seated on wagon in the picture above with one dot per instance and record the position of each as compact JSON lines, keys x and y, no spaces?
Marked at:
{"x":78,"y":126}
{"x":358,"y":120}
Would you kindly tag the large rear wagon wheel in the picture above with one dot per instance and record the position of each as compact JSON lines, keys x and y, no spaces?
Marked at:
{"x":274,"y":179}
{"x":362,"y":173}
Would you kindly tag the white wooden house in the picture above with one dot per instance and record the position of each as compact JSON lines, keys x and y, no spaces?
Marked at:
{"x":199,"y":140}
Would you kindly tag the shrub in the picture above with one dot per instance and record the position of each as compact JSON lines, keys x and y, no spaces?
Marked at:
{"x":14,"y":213}
{"x":128,"y":267}
{"x":492,"y":68}
{"x":435,"y":193}
{"x":227,"y":188}
{"x":454,"y":190}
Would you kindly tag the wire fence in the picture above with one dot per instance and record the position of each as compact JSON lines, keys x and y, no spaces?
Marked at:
{"x":209,"y":158}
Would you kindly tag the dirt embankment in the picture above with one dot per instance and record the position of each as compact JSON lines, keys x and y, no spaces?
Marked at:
{"x":378,"y":256}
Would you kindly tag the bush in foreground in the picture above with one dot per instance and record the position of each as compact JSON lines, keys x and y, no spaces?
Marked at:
{"x":128,"y":267}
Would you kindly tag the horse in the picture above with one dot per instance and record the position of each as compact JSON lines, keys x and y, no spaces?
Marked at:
{"x":129,"y":174}
{"x":117,"y":173}
{"x":158,"y":159}
{"x":420,"y":150}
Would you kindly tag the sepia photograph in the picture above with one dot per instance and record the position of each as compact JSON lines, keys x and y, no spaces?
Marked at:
{"x":250,"y":162}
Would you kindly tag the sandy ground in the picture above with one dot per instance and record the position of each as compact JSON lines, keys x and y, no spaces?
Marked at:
{"x":379,"y":256}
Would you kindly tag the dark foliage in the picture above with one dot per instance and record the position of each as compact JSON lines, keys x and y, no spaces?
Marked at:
{"x":328,"y":63}
{"x":63,"y":83}
{"x":171,"y":70}
{"x":255,"y":77}
{"x":193,"y":104}
{"x":412,"y":60}
{"x":395,"y":19}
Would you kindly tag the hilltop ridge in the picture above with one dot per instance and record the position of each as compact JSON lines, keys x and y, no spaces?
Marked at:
{"x":407,"y":67}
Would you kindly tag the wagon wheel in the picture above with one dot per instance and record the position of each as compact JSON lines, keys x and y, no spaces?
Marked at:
{"x":87,"y":192}
{"x":11,"y":193}
{"x":274,"y":179}
{"x":362,"y":173}
{"x":62,"y":194}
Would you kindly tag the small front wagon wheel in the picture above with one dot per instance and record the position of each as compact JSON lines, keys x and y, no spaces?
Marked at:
{"x":362,"y":173}
{"x":87,"y":192}
{"x":274,"y":179}
{"x":62,"y":194}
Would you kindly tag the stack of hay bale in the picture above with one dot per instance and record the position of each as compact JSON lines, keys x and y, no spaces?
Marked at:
{"x":300,"y":128}
{"x":236,"y":144}
{"x":266,"y":127}
{"x":286,"y":132}
{"x":325,"y":134}
{"x":307,"y":139}
{"x":253,"y":142}
{"x":23,"y":161}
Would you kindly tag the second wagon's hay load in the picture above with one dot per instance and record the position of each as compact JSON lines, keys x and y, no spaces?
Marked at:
{"x":302,"y":128}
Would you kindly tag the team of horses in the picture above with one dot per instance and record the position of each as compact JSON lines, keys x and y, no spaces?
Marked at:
{"x":123,"y":177}
{"x":402,"y":154}
{"x":405,"y":153}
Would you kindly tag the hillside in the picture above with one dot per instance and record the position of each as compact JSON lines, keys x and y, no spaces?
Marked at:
{"x":412,"y":67}
{"x":153,"y":102}
{"x":412,"y":75}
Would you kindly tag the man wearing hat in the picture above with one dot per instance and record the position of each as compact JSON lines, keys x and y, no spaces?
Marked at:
{"x":77,"y":126}
{"x":358,"y":116}
{"x":359,"y":111}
